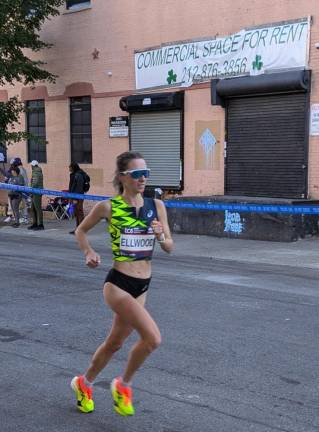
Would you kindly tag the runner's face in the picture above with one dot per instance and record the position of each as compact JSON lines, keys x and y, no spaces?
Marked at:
{"x":131,"y":184}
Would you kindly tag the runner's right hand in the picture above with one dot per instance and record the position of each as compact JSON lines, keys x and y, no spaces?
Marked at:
{"x":92,"y":259}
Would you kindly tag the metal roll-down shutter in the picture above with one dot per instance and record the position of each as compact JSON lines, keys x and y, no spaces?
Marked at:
{"x":266,"y":146}
{"x":157,"y":135}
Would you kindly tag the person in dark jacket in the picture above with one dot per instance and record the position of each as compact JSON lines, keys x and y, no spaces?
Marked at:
{"x":76,"y":185}
{"x":36,"y":209}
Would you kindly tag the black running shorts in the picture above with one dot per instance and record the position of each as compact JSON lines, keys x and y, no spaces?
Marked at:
{"x":132,"y":285}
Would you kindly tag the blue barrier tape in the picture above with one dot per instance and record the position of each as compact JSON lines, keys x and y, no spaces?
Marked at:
{"x":52,"y":192}
{"x":250,"y":208}
{"x":247,"y":208}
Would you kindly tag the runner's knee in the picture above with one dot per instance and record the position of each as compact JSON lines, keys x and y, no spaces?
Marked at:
{"x":153,"y":341}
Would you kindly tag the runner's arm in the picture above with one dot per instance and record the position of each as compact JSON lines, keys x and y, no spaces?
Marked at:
{"x":100,"y":211}
{"x":163,"y":231}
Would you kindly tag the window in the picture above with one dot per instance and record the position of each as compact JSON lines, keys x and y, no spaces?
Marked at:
{"x":81,"y":129}
{"x":36,"y":126}
{"x":77,"y":4}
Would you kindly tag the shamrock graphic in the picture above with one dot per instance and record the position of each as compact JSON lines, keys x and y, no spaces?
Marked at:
{"x":257,"y":64}
{"x":171,"y":77}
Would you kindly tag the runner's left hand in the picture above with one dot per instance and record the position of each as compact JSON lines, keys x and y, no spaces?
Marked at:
{"x":157,"y":227}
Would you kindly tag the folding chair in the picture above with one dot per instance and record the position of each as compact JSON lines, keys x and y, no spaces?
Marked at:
{"x":59,"y":206}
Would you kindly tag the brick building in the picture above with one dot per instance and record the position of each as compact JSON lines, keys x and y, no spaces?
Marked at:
{"x":219,"y":96}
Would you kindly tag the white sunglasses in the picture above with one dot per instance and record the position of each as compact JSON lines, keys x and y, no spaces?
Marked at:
{"x":137,"y":173}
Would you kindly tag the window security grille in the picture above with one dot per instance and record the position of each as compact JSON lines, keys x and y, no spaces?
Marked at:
{"x":81,"y":129}
{"x":35,"y":118}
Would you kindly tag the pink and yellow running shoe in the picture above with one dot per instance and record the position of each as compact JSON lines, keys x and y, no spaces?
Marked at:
{"x":122,"y":396}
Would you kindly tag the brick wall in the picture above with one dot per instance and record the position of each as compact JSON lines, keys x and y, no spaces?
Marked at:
{"x":114,"y":29}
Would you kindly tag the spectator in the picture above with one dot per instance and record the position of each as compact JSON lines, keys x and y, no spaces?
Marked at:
{"x":25,"y":197}
{"x":36,"y":206}
{"x":76,"y":185}
{"x":15,"y":197}
{"x":7,"y":175}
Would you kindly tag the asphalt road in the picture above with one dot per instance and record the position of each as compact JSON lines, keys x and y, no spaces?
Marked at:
{"x":240,"y":340}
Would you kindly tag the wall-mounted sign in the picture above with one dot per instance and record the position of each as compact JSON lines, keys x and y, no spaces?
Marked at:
{"x":249,"y":52}
{"x":314,"y":120}
{"x":118,"y":126}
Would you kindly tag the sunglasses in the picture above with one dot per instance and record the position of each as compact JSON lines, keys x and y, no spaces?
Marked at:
{"x":137,"y":173}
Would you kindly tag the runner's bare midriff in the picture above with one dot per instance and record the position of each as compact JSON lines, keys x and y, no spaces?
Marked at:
{"x":140,"y":269}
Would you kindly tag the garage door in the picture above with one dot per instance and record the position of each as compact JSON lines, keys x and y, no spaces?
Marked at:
{"x":157,"y":135}
{"x":267,"y":146}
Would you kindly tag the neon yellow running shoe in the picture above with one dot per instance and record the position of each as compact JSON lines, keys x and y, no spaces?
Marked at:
{"x":122,"y":396}
{"x":83,"y":394}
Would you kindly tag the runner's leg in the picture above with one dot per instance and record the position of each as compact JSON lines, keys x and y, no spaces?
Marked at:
{"x":119,"y":332}
{"x":133,"y":313}
{"x":82,"y":385}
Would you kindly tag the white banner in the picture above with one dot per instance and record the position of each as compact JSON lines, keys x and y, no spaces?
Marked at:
{"x":249,"y":52}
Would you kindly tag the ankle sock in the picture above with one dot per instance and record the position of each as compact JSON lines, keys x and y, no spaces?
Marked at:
{"x":87,"y":382}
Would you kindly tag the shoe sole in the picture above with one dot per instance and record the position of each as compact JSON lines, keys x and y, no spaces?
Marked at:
{"x":116,"y":407}
{"x":74,"y":387}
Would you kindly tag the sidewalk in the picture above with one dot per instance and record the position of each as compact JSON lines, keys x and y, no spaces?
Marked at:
{"x":303,"y":253}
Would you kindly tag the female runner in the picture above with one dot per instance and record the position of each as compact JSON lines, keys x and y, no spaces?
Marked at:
{"x":135,"y":223}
